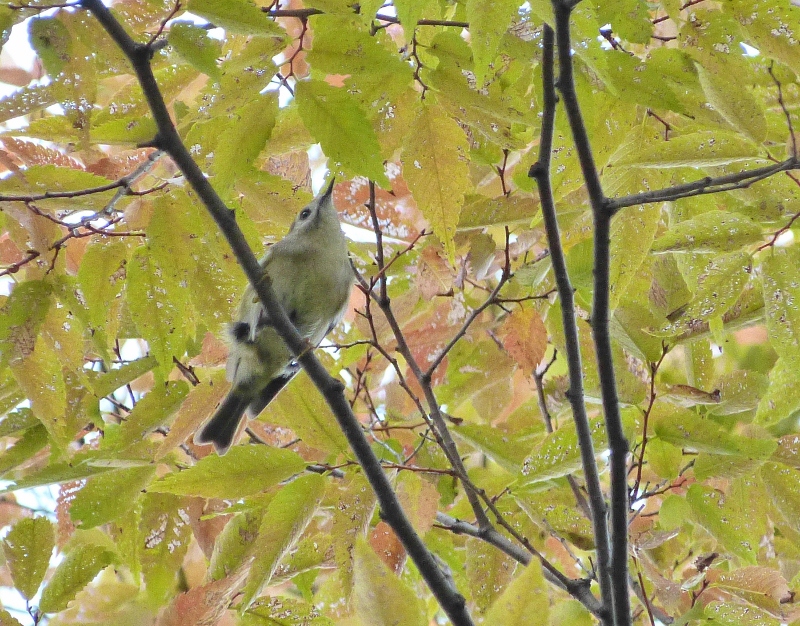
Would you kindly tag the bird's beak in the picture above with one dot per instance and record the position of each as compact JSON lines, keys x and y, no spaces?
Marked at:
{"x":329,"y":191}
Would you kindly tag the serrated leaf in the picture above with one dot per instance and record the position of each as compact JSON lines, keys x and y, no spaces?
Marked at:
{"x":502,"y":448}
{"x":302,"y":408}
{"x":108,"y":496}
{"x":436,"y":168}
{"x":336,"y":121}
{"x":631,"y":236}
{"x":782,"y":301}
{"x":284,"y":521}
{"x":760,"y":586}
{"x":729,"y":97}
{"x":27,"y":550}
{"x":559,"y":453}
{"x":479,"y":211}
{"x":524,"y":337}
{"x":380,"y":597}
{"x":158,"y":305}
{"x":719,"y":286}
{"x":243,"y":471}
{"x":153,"y":410}
{"x":782,"y":487}
{"x":488,"y":22}
{"x":52,"y":42}
{"x":713,"y":231}
{"x":235,"y":543}
{"x":194,"y":45}
{"x":76,"y":571}
{"x":41,"y":377}
{"x":245,"y":138}
{"x":686,"y":430}
{"x":32,"y":440}
{"x":730,"y":614}
{"x":700,"y":149}
{"x":524,"y":602}
{"x":108,"y":382}
{"x":237,"y":16}
{"x":729,"y":523}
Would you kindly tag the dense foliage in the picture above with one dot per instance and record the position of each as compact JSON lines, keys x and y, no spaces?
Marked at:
{"x":561,"y":301}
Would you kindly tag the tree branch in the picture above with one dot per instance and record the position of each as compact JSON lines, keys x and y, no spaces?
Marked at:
{"x":541,"y":172}
{"x":704,"y":186}
{"x":168,"y":140}
{"x":618,"y":445}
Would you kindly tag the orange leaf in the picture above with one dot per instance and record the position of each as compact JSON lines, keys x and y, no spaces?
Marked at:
{"x":525,"y":338}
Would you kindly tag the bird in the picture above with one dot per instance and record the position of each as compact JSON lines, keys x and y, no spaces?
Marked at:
{"x":311,"y":276}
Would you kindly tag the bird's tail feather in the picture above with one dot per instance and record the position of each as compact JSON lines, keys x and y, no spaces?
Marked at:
{"x":222,"y":427}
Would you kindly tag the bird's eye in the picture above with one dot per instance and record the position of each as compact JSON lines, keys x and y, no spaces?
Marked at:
{"x":305,"y":213}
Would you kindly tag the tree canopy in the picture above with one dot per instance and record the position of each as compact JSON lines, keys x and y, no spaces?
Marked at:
{"x":566,"y":388}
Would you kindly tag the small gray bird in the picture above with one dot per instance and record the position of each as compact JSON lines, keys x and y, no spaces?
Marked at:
{"x":311,"y":276}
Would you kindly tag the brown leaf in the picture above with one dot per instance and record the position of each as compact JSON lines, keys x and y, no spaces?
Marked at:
{"x":434,"y":276}
{"x":388,"y":547}
{"x":205,"y":605}
{"x":525,"y":338}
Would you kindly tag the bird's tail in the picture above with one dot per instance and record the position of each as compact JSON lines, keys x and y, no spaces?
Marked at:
{"x":222,"y":427}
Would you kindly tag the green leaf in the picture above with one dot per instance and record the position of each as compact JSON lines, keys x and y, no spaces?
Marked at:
{"x":777,"y":406}
{"x":699,"y":149}
{"x":152,"y":411}
{"x":285,"y":519}
{"x":506,"y":450}
{"x":243,"y":471}
{"x":525,"y":601}
{"x":722,"y":516}
{"x":782,"y":486}
{"x":52,"y":42}
{"x":32,"y":440}
{"x":559,"y":454}
{"x":101,"y":278}
{"x":27,"y":549}
{"x":76,"y":571}
{"x":302,"y":408}
{"x":730,"y":614}
{"x":629,"y":18}
{"x":488,"y":22}
{"x":480,"y":211}
{"x":714,"y":231}
{"x":336,"y":121}
{"x":194,"y":45}
{"x":237,"y":16}
{"x":782,"y":301}
{"x":732,"y":100}
{"x":234,"y":543}
{"x":250,"y":128}
{"x":436,"y":168}
{"x":632,"y":232}
{"x":719,"y":286}
{"x":41,"y":377}
{"x":108,"y":382}
{"x":685,"y":429}
{"x":380,"y":597}
{"x":109,"y":496}
{"x":158,"y":305}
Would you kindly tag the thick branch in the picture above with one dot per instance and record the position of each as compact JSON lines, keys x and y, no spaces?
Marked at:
{"x":541,"y":172}
{"x":168,"y":139}
{"x":617,"y":443}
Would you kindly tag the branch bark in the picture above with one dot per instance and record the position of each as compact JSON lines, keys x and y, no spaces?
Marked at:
{"x":541,"y":172}
{"x":168,"y":140}
{"x":618,"y":445}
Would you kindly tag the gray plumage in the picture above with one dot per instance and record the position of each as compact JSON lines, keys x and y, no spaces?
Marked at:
{"x":311,"y":276}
